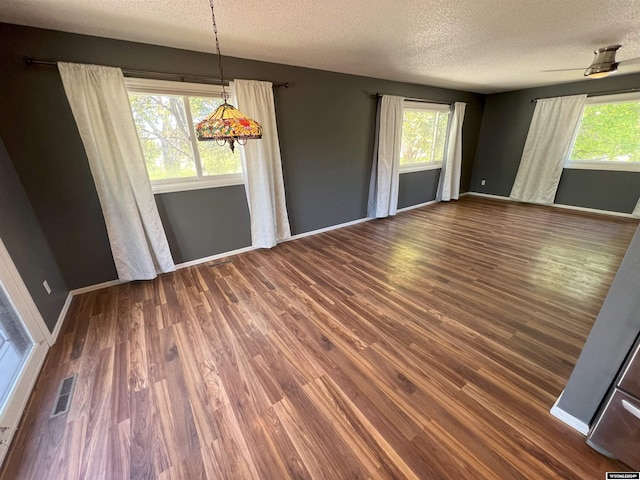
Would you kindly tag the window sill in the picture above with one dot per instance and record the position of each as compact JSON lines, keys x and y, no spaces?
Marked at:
{"x":617,"y":166}
{"x":214,"y":182}
{"x":419,"y":168}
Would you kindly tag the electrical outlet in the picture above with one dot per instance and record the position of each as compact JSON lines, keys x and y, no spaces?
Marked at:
{"x":47,"y":287}
{"x":483,"y":182}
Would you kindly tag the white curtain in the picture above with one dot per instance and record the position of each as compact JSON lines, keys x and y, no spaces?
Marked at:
{"x":385,"y":172}
{"x":262,"y":166}
{"x":553,"y":126}
{"x":100,"y":106}
{"x":449,"y":184}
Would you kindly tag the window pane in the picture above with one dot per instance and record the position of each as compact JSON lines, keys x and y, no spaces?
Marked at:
{"x":608,"y":133}
{"x":216,"y":159}
{"x":15,"y":346}
{"x":441,"y":139}
{"x":164,"y":135}
{"x":417,"y":136}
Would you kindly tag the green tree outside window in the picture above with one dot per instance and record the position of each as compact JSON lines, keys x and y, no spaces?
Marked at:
{"x":608,"y":133}
{"x":165,"y":136}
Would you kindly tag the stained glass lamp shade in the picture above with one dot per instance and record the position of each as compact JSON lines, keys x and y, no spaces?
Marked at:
{"x":227,"y":124}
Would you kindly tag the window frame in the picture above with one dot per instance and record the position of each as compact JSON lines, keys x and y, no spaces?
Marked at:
{"x":602,"y":165}
{"x":416,"y":106}
{"x":184,"y":90}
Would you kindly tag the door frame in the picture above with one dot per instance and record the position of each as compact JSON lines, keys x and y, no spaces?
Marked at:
{"x":28,"y":311}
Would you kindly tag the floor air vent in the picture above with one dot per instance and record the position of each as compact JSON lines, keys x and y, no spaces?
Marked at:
{"x":63,"y":398}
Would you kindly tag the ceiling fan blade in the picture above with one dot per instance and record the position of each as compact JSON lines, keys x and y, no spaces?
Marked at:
{"x":563,"y":70}
{"x":630,"y":61}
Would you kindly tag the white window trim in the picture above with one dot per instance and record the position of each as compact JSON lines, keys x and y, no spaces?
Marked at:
{"x":178,"y":89}
{"x":414,"y":106}
{"x":613,"y":166}
{"x":418,"y":167}
{"x":192,"y":183}
{"x":616,"y":98}
{"x":596,"y":165}
{"x":183,"y":89}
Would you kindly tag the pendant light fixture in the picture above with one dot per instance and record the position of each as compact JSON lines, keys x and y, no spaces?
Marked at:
{"x":226,"y":124}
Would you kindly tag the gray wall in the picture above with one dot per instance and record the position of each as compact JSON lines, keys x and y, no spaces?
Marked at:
{"x":617,"y":191}
{"x":230,"y":230}
{"x":613,"y":334}
{"x":326,"y":125}
{"x":504,"y":129}
{"x":21,"y":234}
{"x":418,"y":187}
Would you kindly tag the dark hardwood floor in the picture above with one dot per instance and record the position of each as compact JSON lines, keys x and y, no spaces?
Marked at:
{"x":430,"y":345}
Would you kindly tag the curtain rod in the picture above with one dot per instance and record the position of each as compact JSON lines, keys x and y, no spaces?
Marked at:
{"x":441,"y":102}
{"x":596,"y":94}
{"x":135,"y":73}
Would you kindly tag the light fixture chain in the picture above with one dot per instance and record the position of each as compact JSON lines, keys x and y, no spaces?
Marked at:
{"x":226,"y":124}
{"x":215,"y":32}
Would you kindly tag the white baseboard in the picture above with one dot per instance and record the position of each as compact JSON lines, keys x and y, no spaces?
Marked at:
{"x":100,"y":286}
{"x":569,"y":419}
{"x":488,"y":195}
{"x":557,"y":205}
{"x":593,"y":210}
{"x":67,"y":303}
{"x":354,"y":222}
{"x":97,"y":286}
{"x":62,"y":317}
{"x":326,"y":229}
{"x":417,"y":206}
{"x":211,"y":258}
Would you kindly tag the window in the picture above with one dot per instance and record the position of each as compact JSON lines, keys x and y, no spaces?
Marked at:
{"x":608,"y":137}
{"x":165,"y":114}
{"x":424,"y":136}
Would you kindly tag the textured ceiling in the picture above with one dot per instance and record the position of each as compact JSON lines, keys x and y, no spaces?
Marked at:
{"x":478,"y":45}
